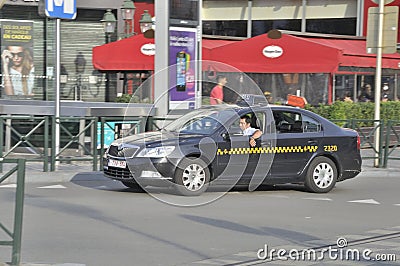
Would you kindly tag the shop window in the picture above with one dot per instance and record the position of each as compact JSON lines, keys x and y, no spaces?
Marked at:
{"x":133,"y":80}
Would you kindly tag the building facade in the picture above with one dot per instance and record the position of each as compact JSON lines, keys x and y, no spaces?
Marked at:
{"x":239,"y":18}
{"x":79,"y":80}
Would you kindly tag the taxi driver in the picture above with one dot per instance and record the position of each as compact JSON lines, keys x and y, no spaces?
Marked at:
{"x":248,"y":130}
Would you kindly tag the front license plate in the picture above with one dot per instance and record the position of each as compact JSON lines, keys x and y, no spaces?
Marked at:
{"x":116,"y":163}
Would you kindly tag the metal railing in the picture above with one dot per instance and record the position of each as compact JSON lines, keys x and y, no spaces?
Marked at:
{"x":392,"y":141}
{"x":85,"y":138}
{"x":109,"y":133}
{"x":35,"y":138}
{"x":367,"y":129}
{"x":16,"y":233}
{"x":73,"y":131}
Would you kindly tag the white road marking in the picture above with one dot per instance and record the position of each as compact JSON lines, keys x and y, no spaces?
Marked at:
{"x":9,"y":186}
{"x":53,"y":186}
{"x":368,"y":201}
{"x":321,"y":199}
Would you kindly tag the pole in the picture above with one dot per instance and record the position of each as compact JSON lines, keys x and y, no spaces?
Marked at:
{"x":107,"y":94}
{"x":161,"y":94}
{"x":57,"y":95}
{"x":303,"y":16}
{"x":249,"y":26}
{"x":378,"y":81}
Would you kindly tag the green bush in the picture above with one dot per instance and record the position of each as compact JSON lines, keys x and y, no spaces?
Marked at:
{"x":339,"y":112}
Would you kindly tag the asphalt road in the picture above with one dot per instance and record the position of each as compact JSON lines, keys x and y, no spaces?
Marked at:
{"x":98,"y":222}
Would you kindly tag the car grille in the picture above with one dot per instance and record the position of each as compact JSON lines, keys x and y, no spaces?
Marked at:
{"x":118,"y":173}
{"x":124,"y":151}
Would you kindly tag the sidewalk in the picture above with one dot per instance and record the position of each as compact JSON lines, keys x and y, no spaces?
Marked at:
{"x":64,"y":172}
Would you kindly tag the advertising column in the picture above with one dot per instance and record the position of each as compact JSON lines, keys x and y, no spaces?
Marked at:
{"x":17,"y":58}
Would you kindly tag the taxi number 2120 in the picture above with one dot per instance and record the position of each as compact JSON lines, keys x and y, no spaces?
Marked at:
{"x":330,"y":148}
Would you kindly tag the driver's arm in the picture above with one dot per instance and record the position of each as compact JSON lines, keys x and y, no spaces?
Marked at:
{"x":255,"y":136}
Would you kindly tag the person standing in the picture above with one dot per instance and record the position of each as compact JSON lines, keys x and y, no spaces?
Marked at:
{"x":217,"y":93}
{"x":18,"y":71}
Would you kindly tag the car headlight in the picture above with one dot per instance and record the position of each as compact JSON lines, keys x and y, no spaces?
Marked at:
{"x":106,"y":152}
{"x":157,"y":152}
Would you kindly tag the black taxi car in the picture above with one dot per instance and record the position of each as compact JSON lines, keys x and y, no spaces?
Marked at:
{"x":206,"y":147}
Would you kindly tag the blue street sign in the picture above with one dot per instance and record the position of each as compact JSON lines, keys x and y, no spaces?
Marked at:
{"x":64,"y":9}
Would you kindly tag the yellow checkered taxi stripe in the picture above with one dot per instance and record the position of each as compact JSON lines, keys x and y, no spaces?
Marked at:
{"x":280,"y":149}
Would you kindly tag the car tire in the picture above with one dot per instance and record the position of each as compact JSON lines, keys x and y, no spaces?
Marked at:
{"x":321,"y":175}
{"x":192,"y":177}
{"x":134,"y":186}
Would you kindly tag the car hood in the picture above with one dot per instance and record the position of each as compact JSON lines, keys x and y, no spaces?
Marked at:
{"x":157,"y":138}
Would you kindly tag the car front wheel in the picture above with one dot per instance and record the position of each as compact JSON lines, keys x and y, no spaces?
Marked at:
{"x":321,"y":175}
{"x":192,"y":177}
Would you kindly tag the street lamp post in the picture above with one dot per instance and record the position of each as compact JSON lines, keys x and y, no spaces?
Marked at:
{"x":128,"y":12}
{"x":145,"y":22}
{"x":109,"y":21}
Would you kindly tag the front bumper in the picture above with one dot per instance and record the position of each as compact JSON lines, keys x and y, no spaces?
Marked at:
{"x":143,"y":171}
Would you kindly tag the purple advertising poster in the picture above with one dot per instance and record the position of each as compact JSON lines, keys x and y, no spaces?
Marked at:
{"x":182,"y":62}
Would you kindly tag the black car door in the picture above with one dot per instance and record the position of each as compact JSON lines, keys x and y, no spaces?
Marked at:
{"x":237,"y":160}
{"x":297,"y":139}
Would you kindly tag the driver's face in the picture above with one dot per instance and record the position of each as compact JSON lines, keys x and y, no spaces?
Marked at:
{"x":243,"y":125}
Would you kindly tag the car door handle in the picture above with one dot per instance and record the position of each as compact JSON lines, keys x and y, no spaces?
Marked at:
{"x":266,"y":143}
{"x":312,"y":142}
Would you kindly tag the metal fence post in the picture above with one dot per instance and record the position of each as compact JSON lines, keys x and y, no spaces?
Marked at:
{"x":46,"y":144}
{"x":381,"y":149}
{"x":53,"y":144}
{"x":387,"y":143}
{"x":1,"y":141}
{"x":101,"y":141}
{"x":19,"y":210}
{"x":94,"y":143}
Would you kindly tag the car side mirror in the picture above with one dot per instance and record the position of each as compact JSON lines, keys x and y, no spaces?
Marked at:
{"x":225,"y":136}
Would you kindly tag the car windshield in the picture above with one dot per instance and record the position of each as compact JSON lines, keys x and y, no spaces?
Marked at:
{"x":201,"y":121}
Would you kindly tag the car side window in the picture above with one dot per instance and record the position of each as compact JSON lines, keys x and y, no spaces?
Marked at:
{"x":257,"y":121}
{"x":288,"y":122}
{"x":310,"y":124}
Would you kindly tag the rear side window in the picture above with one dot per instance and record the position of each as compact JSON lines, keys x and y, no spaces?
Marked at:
{"x":310,"y":124}
{"x":293,"y":122}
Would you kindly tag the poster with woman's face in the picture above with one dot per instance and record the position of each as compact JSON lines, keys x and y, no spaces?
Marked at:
{"x":17,"y":67}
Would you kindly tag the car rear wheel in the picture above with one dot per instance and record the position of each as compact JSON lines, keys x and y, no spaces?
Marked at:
{"x":321,"y":175}
{"x":192,"y":177}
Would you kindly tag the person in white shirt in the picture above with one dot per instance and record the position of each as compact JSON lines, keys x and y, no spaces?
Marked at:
{"x":247,"y":130}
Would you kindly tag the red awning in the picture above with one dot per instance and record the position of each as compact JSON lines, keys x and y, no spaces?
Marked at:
{"x":289,"y":54}
{"x":354,"y":53}
{"x":260,"y":54}
{"x":125,"y":54}
{"x":297,"y":55}
{"x":137,"y":53}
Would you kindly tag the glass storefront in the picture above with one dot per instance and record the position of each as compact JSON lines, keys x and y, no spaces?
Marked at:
{"x":79,"y":81}
{"x":361,"y":87}
{"x":312,"y":86}
{"x":238,"y":28}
